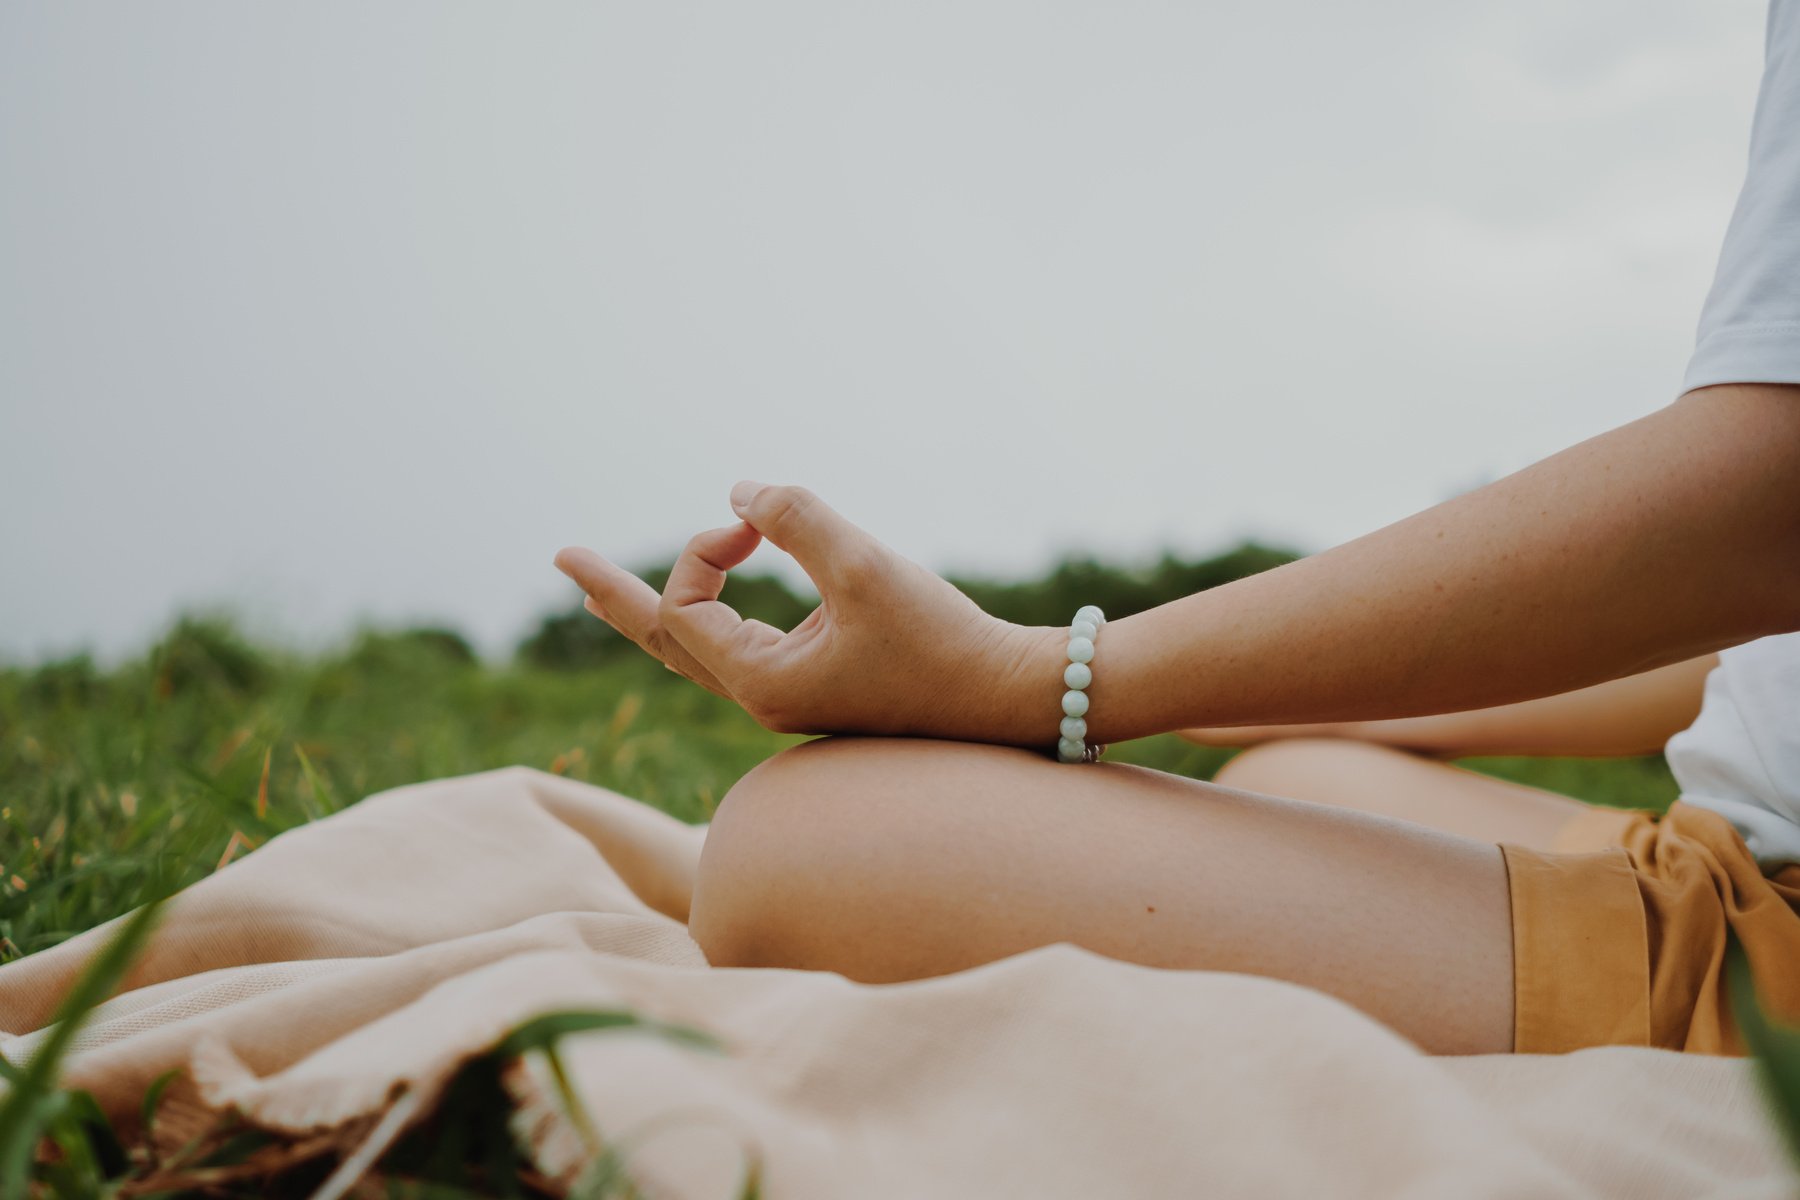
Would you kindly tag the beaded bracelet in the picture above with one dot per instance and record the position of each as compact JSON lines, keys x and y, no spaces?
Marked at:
{"x":1072,"y":746}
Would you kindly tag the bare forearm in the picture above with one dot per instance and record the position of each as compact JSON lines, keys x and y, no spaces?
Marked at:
{"x":1663,"y":540}
{"x":1633,"y":715}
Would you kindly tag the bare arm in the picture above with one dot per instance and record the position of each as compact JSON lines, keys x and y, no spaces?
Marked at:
{"x":1665,"y":539}
{"x":1661,"y":541}
{"x":1633,"y":715}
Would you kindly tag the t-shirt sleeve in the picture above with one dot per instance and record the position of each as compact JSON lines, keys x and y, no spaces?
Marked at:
{"x":1750,"y":327}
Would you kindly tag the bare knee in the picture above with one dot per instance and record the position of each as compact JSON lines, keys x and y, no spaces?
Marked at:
{"x":760,"y":862}
{"x":840,"y":854}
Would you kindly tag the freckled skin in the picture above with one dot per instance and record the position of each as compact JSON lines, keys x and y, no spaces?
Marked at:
{"x":1480,"y":602}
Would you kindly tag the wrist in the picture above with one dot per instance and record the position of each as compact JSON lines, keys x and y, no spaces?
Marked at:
{"x":1027,"y":701}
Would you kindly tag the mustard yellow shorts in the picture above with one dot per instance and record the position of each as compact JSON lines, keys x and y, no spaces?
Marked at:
{"x":1619,"y":932}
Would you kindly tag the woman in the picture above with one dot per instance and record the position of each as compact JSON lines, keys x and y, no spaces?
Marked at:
{"x":1470,"y":915}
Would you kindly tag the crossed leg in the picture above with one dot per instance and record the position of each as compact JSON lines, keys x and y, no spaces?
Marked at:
{"x":1392,"y":783}
{"x":892,"y":859}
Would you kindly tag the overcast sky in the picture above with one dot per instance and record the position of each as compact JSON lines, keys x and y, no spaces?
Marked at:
{"x":340,"y":311}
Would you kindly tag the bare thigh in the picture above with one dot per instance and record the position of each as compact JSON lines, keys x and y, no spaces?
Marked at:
{"x":893,"y":859}
{"x":1393,"y":783}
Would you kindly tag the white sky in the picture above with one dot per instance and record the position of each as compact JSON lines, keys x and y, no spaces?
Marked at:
{"x":337,"y":311}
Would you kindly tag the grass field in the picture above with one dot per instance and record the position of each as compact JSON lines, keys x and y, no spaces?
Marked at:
{"x":117,"y":785}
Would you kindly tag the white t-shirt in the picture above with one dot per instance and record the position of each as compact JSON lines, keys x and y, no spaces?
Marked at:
{"x":1741,"y":758}
{"x":1750,"y":326}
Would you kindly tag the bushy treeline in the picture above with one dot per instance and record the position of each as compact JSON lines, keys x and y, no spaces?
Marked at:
{"x":209,"y":653}
{"x":574,"y":639}
{"x":211,"y":650}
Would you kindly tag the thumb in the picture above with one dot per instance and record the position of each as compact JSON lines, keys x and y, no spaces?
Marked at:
{"x":824,"y":544}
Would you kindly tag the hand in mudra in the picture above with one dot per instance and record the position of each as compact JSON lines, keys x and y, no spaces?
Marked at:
{"x":891,"y":649}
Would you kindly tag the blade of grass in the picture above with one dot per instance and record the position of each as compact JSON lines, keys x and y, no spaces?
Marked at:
{"x":349,"y":1173}
{"x":26,"y":1110}
{"x":1775,"y":1047}
{"x":541,"y":1032}
{"x":152,"y":1100}
{"x":323,"y":802}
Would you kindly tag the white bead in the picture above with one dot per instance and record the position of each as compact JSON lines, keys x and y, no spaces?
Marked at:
{"x":1077,"y":675}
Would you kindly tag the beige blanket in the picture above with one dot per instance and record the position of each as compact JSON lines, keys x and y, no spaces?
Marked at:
{"x":379,"y":947}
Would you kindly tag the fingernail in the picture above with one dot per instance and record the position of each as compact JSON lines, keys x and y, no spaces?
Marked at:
{"x":740,"y":495}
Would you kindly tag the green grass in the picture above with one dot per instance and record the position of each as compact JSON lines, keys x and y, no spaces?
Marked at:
{"x":115,"y":786}
{"x":120,"y":786}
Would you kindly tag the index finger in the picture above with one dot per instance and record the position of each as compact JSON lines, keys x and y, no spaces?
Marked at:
{"x":616,"y":589}
{"x":629,"y":605}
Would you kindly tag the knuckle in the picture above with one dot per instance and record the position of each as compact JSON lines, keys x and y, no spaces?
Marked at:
{"x":657,"y":641}
{"x":669,"y":614}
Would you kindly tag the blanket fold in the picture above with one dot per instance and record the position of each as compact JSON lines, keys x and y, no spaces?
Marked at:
{"x":375,"y":951}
